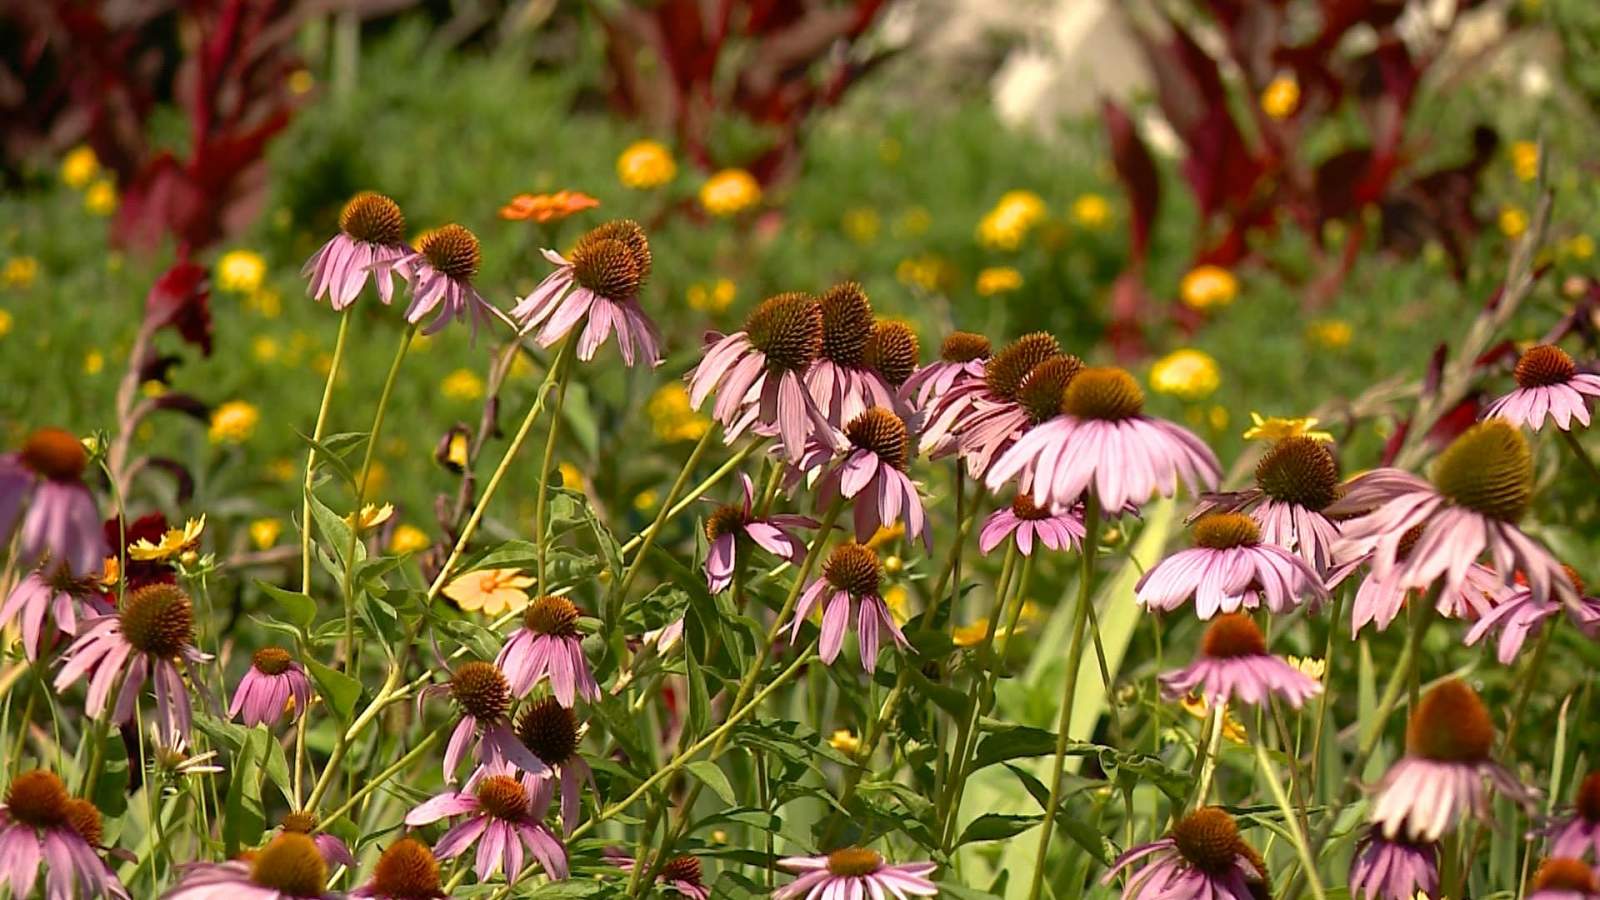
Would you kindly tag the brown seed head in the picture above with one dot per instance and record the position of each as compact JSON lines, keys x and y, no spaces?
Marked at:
{"x":1232,"y":635}
{"x":787,"y":329}
{"x":453,"y":250}
{"x":83,"y":818}
{"x":1588,"y":798}
{"x":606,"y":266}
{"x":1489,"y":470}
{"x":853,"y":568}
{"x":846,"y":324}
{"x":1044,"y":390}
{"x":883,"y":433}
{"x":300,"y":822}
{"x":551,"y":615}
{"x":1301,"y":471}
{"x":1023,"y":507}
{"x":38,"y":798}
{"x":158,"y":619}
{"x":502,"y":796}
{"x":1563,"y":875}
{"x":1450,"y":724}
{"x":550,"y":730}
{"x":291,"y":864}
{"x":1005,"y":370}
{"x":407,"y":870}
{"x":373,"y":218}
{"x":480,"y":689}
{"x":682,"y":868}
{"x":1224,"y":531}
{"x":55,"y":454}
{"x":964,"y":346}
{"x":1543,"y":366}
{"x":1103,"y":393}
{"x":893,"y":351}
{"x":632,"y":234}
{"x":272,"y":660}
{"x":854,"y":861}
{"x":1209,"y":840}
{"x":726,"y":519}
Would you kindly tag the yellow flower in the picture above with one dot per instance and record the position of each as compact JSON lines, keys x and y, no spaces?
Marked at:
{"x":174,"y":542}
{"x":112,"y":572}
{"x":93,"y":362}
{"x":301,"y":81}
{"x":1005,"y":226}
{"x":1196,"y":705}
{"x":19,"y":272}
{"x":862,"y":224}
{"x":845,"y":741}
{"x":1330,"y":334}
{"x":407,"y":539}
{"x":646,"y":500}
{"x":712,"y":297}
{"x":233,"y":422}
{"x":5,"y":322}
{"x":913,"y":222}
{"x":1579,"y":246}
{"x":241,"y":271}
{"x":671,"y":417}
{"x":886,"y":535}
{"x":898,"y":600}
{"x":372,"y":515}
{"x":998,"y":280}
{"x":1276,"y":429}
{"x":889,"y":150}
{"x":1312,"y":667}
{"x":730,"y":192}
{"x":1218,"y":416}
{"x":265,"y":303}
{"x":264,"y":348}
{"x":283,"y":469}
{"x":646,"y":164}
{"x":1281,"y":97}
{"x":264,"y":532}
{"x":1188,"y":373}
{"x":970,"y":634}
{"x":490,"y":591}
{"x":1525,"y":160}
{"x":101,"y":198}
{"x":571,"y":476}
{"x":1207,"y":286}
{"x":79,"y":167}
{"x":1091,"y":211}
{"x":1513,"y":221}
{"x":463,"y":385}
{"x":928,"y":272}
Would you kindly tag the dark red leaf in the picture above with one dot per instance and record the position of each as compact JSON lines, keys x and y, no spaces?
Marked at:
{"x":1136,"y":169}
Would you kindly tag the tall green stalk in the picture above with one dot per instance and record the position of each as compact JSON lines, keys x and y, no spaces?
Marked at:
{"x":317,"y":433}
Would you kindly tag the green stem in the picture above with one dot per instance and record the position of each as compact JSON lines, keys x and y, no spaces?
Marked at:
{"x":540,"y":527}
{"x":1291,"y":821}
{"x":1218,"y":723}
{"x":632,"y":572}
{"x":1582,"y":455}
{"x":311,"y":455}
{"x":1322,"y":702}
{"x":699,"y":490}
{"x":378,"y":780}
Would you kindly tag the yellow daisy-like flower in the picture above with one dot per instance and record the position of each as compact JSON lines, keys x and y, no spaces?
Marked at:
{"x":283,"y":469}
{"x":1006,"y":225}
{"x":1330,"y":334}
{"x":713,"y":297}
{"x":998,"y":280}
{"x":490,"y":591}
{"x":79,"y":167}
{"x":970,"y":634}
{"x":571,"y":476}
{"x":862,"y":224}
{"x":1208,"y":286}
{"x":264,"y":533}
{"x":646,"y":164}
{"x":19,"y":272}
{"x":886,"y":535}
{"x":1232,"y":729}
{"x":845,"y":741}
{"x":1091,"y":211}
{"x":234,"y":422}
{"x":1281,"y":97}
{"x":730,"y":192}
{"x":463,"y":385}
{"x":1513,"y":221}
{"x":112,"y":571}
{"x":672,"y":418}
{"x":898,"y":600}
{"x":1313,"y":667}
{"x":1188,"y":373}
{"x":241,"y":271}
{"x":1525,"y":160}
{"x":1277,"y":428}
{"x":174,"y":542}
{"x":101,"y":198}
{"x":264,"y":348}
{"x":407,"y":539}
{"x":372,"y":515}
{"x":927,"y":272}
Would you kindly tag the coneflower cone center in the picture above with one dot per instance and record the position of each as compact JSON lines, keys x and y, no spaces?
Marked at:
{"x":1044,"y":389}
{"x":846,"y":324}
{"x":1023,"y":507}
{"x":291,"y":864}
{"x":682,"y":868}
{"x":300,"y":822}
{"x":551,"y":615}
{"x":54,"y":454}
{"x":1588,"y":799}
{"x":550,"y":730}
{"x":631,"y":234}
{"x":481,"y":690}
{"x":1208,"y":839}
{"x":1543,"y":366}
{"x":38,"y":798}
{"x":607,"y":267}
{"x":453,"y":250}
{"x":1103,"y":393}
{"x":1450,"y":724}
{"x":1233,"y":635}
{"x":893,"y":351}
{"x":1004,"y":371}
{"x":84,"y":818}
{"x":852,"y":568}
{"x":964,"y":347}
{"x":374,"y":219}
{"x":880,"y":431}
{"x":158,"y":619}
{"x":787,"y":329}
{"x":1301,"y":471}
{"x":1562,"y":874}
{"x":1489,"y":470}
{"x":406,"y":871}
{"x":502,"y":796}
{"x":272,"y":660}
{"x":854,"y":861}
{"x":1225,"y":531}
{"x":726,"y":519}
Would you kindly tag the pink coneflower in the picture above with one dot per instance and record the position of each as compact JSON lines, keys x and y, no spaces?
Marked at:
{"x":1296,"y":480}
{"x":1100,"y":441}
{"x":1379,"y":600}
{"x":406,"y":870}
{"x":1234,"y":665}
{"x":732,"y":522}
{"x":371,"y":241}
{"x":600,"y":283}
{"x":893,"y":353}
{"x":481,"y":693}
{"x":854,"y":873}
{"x":849,"y":576}
{"x":505,"y":816}
{"x":441,"y":278}
{"x":840,"y":382}
{"x":1026,"y":522}
{"x":41,"y":824}
{"x":1229,"y":570}
{"x":758,"y":374}
{"x":1578,"y":834}
{"x":547,"y":646}
{"x":334,"y":851}
{"x":872,"y":473}
{"x":981,"y":419}
{"x":1549,"y":386}
{"x":1203,"y":856}
{"x":145,"y":638}
{"x":1393,"y":870}
{"x":61,"y":522}
{"x":961,"y":361}
{"x":551,"y":731}
{"x":1563,"y":878}
{"x":289,"y":867}
{"x":273,"y":682}
{"x":1442,"y":776}
{"x":681,"y":874}
{"x":49,"y":595}
{"x":1482,"y":486}
{"x":1518,"y":616}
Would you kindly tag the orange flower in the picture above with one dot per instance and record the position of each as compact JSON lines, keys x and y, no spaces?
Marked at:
{"x":544,"y":208}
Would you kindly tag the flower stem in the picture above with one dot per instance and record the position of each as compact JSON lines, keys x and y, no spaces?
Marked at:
{"x":1583,"y":457}
{"x":1217,"y":723}
{"x":632,"y":572}
{"x":698,"y":491}
{"x":540,"y":523}
{"x":1290,"y":820}
{"x":378,"y":780}
{"x":317,"y":432}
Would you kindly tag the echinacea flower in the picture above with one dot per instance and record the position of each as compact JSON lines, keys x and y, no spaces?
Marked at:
{"x":441,"y":278}
{"x":289,"y":867}
{"x":1234,"y":666}
{"x":1449,"y":741}
{"x":334,"y":851}
{"x":1518,"y":616}
{"x":1399,"y":869}
{"x":680,"y":874}
{"x":371,"y":241}
{"x":872,"y":474}
{"x":1101,"y":442}
{"x":961,"y":360}
{"x":481,"y":693}
{"x":490,"y":591}
{"x":147,"y":637}
{"x":61,"y":522}
{"x":503,"y":817}
{"x":839,"y":381}
{"x":1025,"y":522}
{"x":599,"y":283}
{"x":1482,"y":485}
{"x":275,"y":685}
{"x":42,"y":595}
{"x":42,"y":825}
{"x":849,"y":576}
{"x":1549,"y":386}
{"x":1564,"y":878}
{"x":551,"y":731}
{"x":758,"y":373}
{"x":734,"y":524}
{"x":1203,"y":856}
{"x":1230,"y":569}
{"x":1379,"y":600}
{"x":1578,"y":833}
{"x":980,"y":418}
{"x":893,"y":352}
{"x":406,"y":870}
{"x":1296,"y":479}
{"x":547,"y":646}
{"x":854,"y":872}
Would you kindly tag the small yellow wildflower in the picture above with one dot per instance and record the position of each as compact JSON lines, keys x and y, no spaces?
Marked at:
{"x":463,"y":385}
{"x":998,"y":280}
{"x":264,"y":533}
{"x":714,"y":297}
{"x":241,"y":271}
{"x":889,"y":150}
{"x":845,"y":741}
{"x":1091,"y":211}
{"x":283,"y":469}
{"x":174,"y":542}
{"x":898,"y":600}
{"x":1313,"y":667}
{"x":913,"y":222}
{"x":1232,"y":729}
{"x":893,"y":564}
{"x":1277,"y":428}
{"x":970,"y":634}
{"x":79,"y":167}
{"x":1281,"y":97}
{"x":1208,"y":286}
{"x":1525,"y":160}
{"x":646,"y":164}
{"x":490,"y":591}
{"x":571,"y":476}
{"x":264,"y":348}
{"x":234,"y":422}
{"x":646,"y":500}
{"x":1188,"y":373}
{"x":1218,"y":417}
{"x":265,"y":303}
{"x":1330,"y":334}
{"x":112,"y":572}
{"x":301,"y":81}
{"x":928,"y":272}
{"x":5,"y":322}
{"x":93,"y":362}
{"x":1579,"y":246}
{"x":886,"y":535}
{"x":862,"y":224}
{"x":19,"y":272}
{"x":407,"y":539}
{"x":101,"y":198}
{"x":1513,"y":221}
{"x":377,"y":477}
{"x":671,"y":417}
{"x":1006,"y":225}
{"x":372,"y":515}
{"x":730,"y":192}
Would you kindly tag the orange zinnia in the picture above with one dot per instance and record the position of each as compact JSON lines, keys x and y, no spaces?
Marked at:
{"x":544,"y":208}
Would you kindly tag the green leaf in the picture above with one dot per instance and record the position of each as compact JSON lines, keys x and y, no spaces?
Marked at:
{"x":243,"y":817}
{"x":699,"y":697}
{"x":997,"y":827}
{"x":330,"y":452}
{"x":294,"y":607}
{"x":335,"y":537}
{"x":340,"y":690}
{"x":712,"y":776}
{"x":1013,"y":742}
{"x":276,"y":766}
